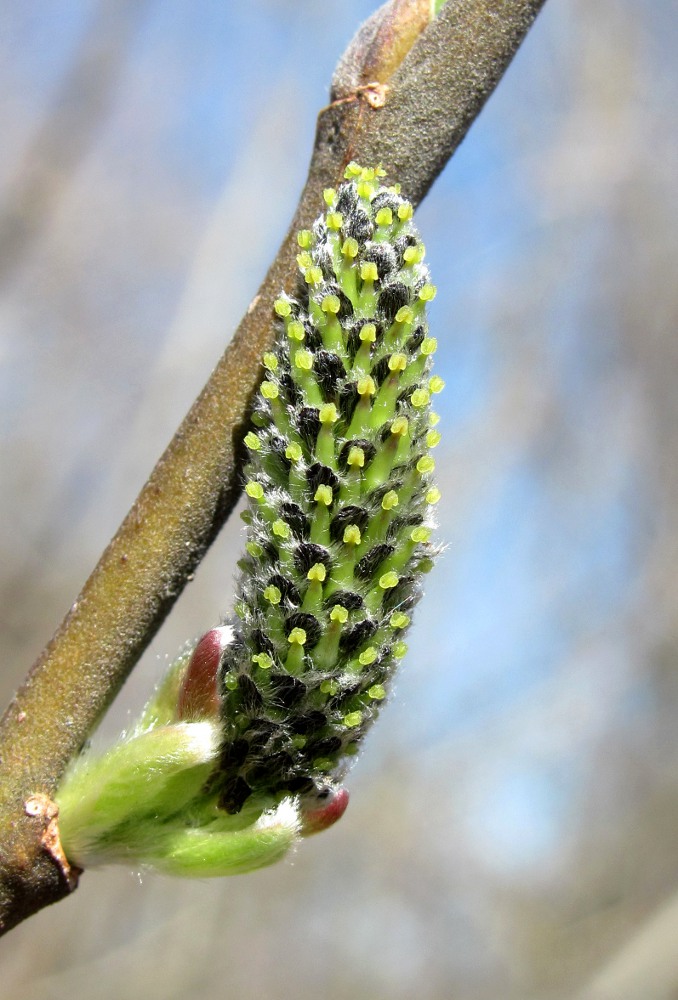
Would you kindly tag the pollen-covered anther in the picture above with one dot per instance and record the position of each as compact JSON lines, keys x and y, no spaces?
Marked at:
{"x":304,"y":238}
{"x":433,"y":438}
{"x":252,"y":441}
{"x":269,"y":390}
{"x":254,"y":490}
{"x":324,"y":495}
{"x":313,"y":275}
{"x":436,"y":384}
{"x":390,"y":500}
{"x":335,"y":220}
{"x":352,"y":719}
{"x":420,"y":398}
{"x":350,"y":248}
{"x":404,"y":315}
{"x":262,"y":660}
{"x":366,"y":386}
{"x":317,"y":573}
{"x":384,"y":217}
{"x":400,"y":426}
{"x":427,"y":292}
{"x":399,"y":649}
{"x":428,"y":346}
{"x":368,"y":333}
{"x":367,"y":656}
{"x":294,"y":452}
{"x":295,"y":331}
{"x":425,"y":465}
{"x":433,"y":495}
{"x":356,"y":458}
{"x":270,"y":361}
{"x":282,"y":307}
{"x":420,"y":534}
{"x":352,"y":535}
{"x":281,"y":529}
{"x":399,"y":620}
{"x":415,"y":254}
{"x":389,"y":580}
{"x":328,"y":414}
{"x":397,"y":362}
{"x":329,"y":196}
{"x":405,"y":211}
{"x":297,"y":637}
{"x":377,"y":692}
{"x":330,"y":304}
{"x":303,"y":360}
{"x":339,"y":614}
{"x":368,"y":271}
{"x":272,"y":594}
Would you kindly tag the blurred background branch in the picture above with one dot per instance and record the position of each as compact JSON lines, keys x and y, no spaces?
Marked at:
{"x":432,"y":96}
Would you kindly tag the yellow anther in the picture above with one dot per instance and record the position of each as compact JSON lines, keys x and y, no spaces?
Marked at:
{"x":304,"y":360}
{"x":263,"y":660}
{"x":368,"y":656}
{"x":269,"y":390}
{"x":282,"y":307}
{"x":420,"y":397}
{"x":352,"y":534}
{"x":366,"y":386}
{"x":297,"y":637}
{"x":350,"y":248}
{"x":425,"y":465}
{"x":323,"y":495}
{"x":390,"y":500}
{"x":356,"y":457}
{"x":331,"y":304}
{"x":353,"y":719}
{"x":328,"y":414}
{"x":368,"y":271}
{"x":317,"y":572}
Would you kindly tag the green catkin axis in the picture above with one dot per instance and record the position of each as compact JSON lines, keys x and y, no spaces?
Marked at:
{"x":340,"y":499}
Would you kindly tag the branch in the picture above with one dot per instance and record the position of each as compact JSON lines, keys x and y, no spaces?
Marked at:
{"x":404,"y":95}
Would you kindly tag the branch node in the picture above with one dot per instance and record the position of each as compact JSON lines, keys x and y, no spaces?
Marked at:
{"x":41,"y":807}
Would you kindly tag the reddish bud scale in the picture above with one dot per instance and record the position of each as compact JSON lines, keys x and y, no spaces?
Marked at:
{"x":322,"y":809}
{"x":199,"y":696}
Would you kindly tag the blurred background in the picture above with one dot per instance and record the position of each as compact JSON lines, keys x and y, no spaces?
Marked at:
{"x":512,"y":832}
